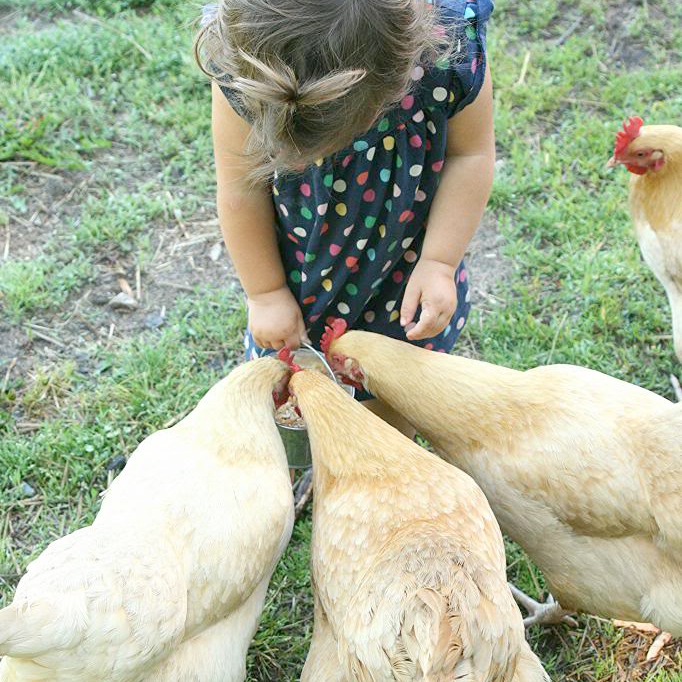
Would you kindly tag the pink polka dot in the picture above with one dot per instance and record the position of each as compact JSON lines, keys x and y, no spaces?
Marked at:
{"x":402,"y":126}
{"x":324,"y":228}
{"x":369,"y":195}
{"x":407,"y":102}
{"x":462,"y":275}
{"x":351,"y":261}
{"x":347,"y":160}
{"x":420,"y":195}
{"x":416,"y":141}
{"x":410,"y":256}
{"x":417,"y":73}
{"x":397,"y":276}
{"x":355,"y":268}
{"x":442,"y":350}
{"x":406,"y":216}
{"x":460,"y":323}
{"x":292,"y":238}
{"x":313,"y":318}
{"x":334,"y":249}
{"x":330,"y":320}
{"x":362,"y":178}
{"x":429,"y":346}
{"x":305,"y":189}
{"x":438,"y":166}
{"x":300,"y":256}
{"x":428,"y":145}
{"x":474,"y":64}
{"x":309,"y":300}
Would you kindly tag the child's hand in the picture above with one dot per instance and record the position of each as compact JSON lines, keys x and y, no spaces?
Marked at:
{"x":275,"y":320}
{"x":431,"y":284}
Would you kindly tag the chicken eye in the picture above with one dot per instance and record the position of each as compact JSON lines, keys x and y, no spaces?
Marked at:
{"x":640,"y":154}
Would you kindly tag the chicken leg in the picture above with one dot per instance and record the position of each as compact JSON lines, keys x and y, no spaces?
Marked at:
{"x":549,"y":613}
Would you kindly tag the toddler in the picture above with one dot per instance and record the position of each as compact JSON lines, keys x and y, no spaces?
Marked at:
{"x":354,"y":151}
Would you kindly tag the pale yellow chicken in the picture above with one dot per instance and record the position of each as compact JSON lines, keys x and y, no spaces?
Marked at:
{"x":168,"y":583}
{"x":653,"y":155}
{"x":408,"y":562}
{"x":582,"y":470}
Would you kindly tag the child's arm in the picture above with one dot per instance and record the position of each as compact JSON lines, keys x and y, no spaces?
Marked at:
{"x":455,"y":214}
{"x":247,"y":222}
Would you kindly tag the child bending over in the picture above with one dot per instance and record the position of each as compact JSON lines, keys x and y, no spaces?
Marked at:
{"x":354,"y":151}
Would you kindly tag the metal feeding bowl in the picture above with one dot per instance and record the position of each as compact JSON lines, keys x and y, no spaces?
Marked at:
{"x":295,"y":436}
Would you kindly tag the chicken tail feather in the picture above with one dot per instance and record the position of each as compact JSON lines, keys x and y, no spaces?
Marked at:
{"x":29,"y":631}
{"x":528,"y":667}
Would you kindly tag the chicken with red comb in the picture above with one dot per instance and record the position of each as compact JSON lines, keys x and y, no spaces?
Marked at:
{"x":653,"y":154}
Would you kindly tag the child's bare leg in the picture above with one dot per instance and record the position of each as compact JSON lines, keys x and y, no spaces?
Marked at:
{"x":389,"y":415}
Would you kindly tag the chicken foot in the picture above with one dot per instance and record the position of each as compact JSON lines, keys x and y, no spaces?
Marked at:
{"x":302,"y":493}
{"x":549,"y":613}
{"x":676,"y":387}
{"x":662,"y":638}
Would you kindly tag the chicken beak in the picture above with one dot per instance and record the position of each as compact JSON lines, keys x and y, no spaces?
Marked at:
{"x":611,"y":163}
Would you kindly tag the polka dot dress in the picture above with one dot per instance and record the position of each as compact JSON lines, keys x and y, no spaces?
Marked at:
{"x":351,"y":226}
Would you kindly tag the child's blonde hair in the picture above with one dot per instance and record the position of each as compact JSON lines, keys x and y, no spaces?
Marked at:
{"x":313,"y":74}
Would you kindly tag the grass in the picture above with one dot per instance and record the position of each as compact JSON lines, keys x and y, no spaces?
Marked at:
{"x":105,"y":172}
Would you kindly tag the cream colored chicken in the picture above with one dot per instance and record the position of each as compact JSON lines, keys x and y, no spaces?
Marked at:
{"x":408,"y":561}
{"x":581,"y":469}
{"x":653,"y":155}
{"x":168,"y":583}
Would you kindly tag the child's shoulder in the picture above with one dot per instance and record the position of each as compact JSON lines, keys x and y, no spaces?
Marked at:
{"x":468,"y":10}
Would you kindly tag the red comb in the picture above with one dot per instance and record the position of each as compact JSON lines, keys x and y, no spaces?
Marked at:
{"x":628,"y":134}
{"x":336,"y":329}
{"x":285,"y":355}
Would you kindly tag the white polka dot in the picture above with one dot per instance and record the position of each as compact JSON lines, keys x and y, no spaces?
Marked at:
{"x":348,"y":230}
{"x":406,"y":242}
{"x":440,"y":94}
{"x":396,"y":191}
{"x":420,"y":195}
{"x":387,"y":266}
{"x":254,"y":354}
{"x":326,"y":271}
{"x":340,"y":186}
{"x":304,"y":277}
{"x":431,"y":127}
{"x":467,"y":298}
{"x":389,"y":306}
{"x":284,"y":210}
{"x":300,"y":232}
{"x":322,"y":209}
{"x":417,"y":73}
{"x":377,"y":282}
{"x":416,"y":170}
{"x":247,"y":343}
{"x":419,"y":116}
{"x":448,"y":329}
{"x":343,"y":308}
{"x":361,"y":243}
{"x":369,"y":316}
{"x":460,"y":322}
{"x":370,"y":153}
{"x":410,"y":256}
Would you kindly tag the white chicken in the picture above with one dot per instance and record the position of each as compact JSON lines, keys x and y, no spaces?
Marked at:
{"x":408,"y":562}
{"x":582,"y":470}
{"x":168,"y":583}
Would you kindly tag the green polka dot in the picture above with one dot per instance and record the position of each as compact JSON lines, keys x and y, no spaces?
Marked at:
{"x":351,"y":289}
{"x":443,"y":62}
{"x":398,"y":161}
{"x":470,"y":32}
{"x":306,"y":213}
{"x":328,"y":180}
{"x":295,"y":276}
{"x":383,"y":125}
{"x":360,"y":145}
{"x":310,"y":257}
{"x":385,"y":174}
{"x":389,"y":204}
{"x":370,"y":221}
{"x":392,"y":246}
{"x":371,"y":254}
